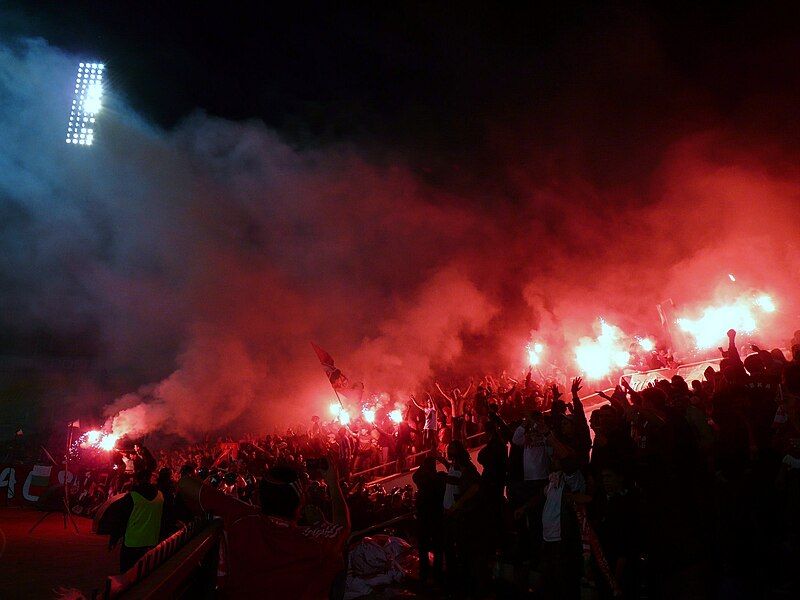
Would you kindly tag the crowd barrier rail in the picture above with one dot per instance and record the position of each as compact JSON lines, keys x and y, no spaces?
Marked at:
{"x":169,"y":569}
{"x":471,"y":441}
{"x":639,"y":380}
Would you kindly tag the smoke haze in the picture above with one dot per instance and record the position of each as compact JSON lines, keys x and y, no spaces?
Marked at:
{"x":196,"y":263}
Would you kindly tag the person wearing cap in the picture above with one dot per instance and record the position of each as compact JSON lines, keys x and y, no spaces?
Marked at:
{"x":266,"y":548}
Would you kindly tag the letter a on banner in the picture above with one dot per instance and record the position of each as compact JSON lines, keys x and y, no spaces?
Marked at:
{"x":8,"y":478}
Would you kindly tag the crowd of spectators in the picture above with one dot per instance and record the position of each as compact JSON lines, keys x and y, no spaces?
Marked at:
{"x":364,"y":450}
{"x":686,"y":489}
{"x":681,"y":489}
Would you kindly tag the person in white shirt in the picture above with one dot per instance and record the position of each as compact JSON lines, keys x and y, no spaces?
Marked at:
{"x":460,"y":503}
{"x":562,"y":553}
{"x":558,"y":483}
{"x":430,"y":428}
{"x":531,"y":436}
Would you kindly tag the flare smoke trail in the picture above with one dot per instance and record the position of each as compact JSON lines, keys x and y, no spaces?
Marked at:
{"x":201,"y":260}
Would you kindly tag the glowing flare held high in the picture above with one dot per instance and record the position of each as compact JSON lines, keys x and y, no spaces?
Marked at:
{"x":598,"y":357}
{"x":369,"y":414}
{"x":534,"y":353}
{"x":765,"y":303}
{"x":99,"y":440}
{"x":709,"y":329}
{"x":108,"y":442}
{"x":646,"y":344}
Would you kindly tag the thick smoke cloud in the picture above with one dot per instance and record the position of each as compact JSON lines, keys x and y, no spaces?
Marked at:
{"x":204,"y":259}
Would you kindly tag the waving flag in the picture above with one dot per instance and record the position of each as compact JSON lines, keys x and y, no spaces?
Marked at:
{"x":339,"y":381}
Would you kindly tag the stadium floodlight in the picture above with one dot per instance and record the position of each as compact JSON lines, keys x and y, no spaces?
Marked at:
{"x":86,"y":103}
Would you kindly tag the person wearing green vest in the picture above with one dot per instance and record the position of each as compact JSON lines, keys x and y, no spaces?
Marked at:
{"x":138,"y":523}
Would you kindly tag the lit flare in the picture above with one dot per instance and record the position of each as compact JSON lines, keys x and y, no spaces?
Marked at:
{"x":534,"y":353}
{"x":598,"y":357}
{"x":646,"y":344}
{"x":743,"y":314}
{"x":369,"y":414}
{"x":99,"y":440}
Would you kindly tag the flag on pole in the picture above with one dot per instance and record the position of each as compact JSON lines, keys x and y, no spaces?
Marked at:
{"x":339,"y":382}
{"x":76,"y":423}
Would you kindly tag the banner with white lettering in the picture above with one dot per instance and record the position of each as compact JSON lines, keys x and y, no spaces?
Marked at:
{"x":25,"y":483}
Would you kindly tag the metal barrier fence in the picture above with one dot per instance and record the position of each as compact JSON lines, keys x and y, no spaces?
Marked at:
{"x":390,"y":468}
{"x":169,"y":567}
{"x":590,"y":402}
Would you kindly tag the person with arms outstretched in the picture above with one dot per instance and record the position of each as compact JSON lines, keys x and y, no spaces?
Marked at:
{"x":430,"y":428}
{"x":456,"y":400}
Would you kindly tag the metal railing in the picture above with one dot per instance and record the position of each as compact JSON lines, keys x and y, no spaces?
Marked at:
{"x":391,"y":465}
{"x":473,"y":442}
{"x":168,"y":568}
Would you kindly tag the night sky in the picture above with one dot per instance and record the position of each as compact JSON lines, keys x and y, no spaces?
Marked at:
{"x":420,"y":189}
{"x":447,"y":87}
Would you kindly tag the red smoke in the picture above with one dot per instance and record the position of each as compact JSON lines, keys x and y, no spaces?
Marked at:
{"x":405,"y":286}
{"x":206,"y":258}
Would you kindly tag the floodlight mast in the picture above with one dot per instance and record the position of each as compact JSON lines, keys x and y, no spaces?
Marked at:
{"x":86,"y":103}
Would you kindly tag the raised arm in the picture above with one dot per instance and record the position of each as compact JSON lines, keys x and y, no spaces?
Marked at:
{"x":507,"y":394}
{"x":733,"y":353}
{"x":414,"y":400}
{"x":577,"y":405}
{"x":381,"y":431}
{"x":441,"y":391}
{"x":622,"y":397}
